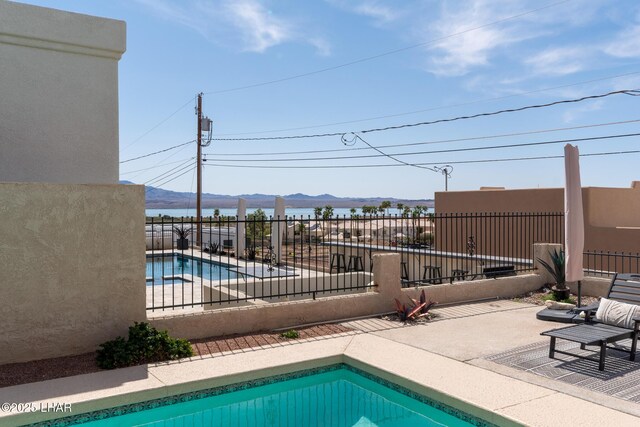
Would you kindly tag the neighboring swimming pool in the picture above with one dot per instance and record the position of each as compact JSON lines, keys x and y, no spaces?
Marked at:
{"x":338,"y":395}
{"x":169,"y":265}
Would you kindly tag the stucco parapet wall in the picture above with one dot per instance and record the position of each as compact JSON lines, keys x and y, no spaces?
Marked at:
{"x":50,"y":29}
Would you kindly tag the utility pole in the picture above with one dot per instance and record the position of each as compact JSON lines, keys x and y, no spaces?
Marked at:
{"x":446,"y":171}
{"x":199,"y":178}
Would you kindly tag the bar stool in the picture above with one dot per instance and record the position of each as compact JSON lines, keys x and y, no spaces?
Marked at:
{"x":457,"y":274}
{"x":404,"y":272}
{"x":355,"y":263}
{"x":337,"y":262}
{"x":432,"y":274}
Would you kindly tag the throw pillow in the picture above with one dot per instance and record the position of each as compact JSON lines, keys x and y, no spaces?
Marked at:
{"x":617,"y":313}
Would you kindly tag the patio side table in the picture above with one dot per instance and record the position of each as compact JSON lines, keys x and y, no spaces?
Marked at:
{"x":598,"y":334}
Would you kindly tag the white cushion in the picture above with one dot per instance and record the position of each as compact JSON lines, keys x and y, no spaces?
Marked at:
{"x":617,"y":313}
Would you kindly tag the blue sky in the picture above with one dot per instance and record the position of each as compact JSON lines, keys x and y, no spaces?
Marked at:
{"x":473,"y":56}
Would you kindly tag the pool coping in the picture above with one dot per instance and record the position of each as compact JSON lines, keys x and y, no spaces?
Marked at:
{"x":491,"y":396}
{"x":235,"y":387}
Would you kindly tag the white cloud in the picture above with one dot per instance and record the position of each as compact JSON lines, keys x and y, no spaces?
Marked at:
{"x":560,"y":61}
{"x":375,"y":9}
{"x":322,"y":46}
{"x":172,"y":12}
{"x":245,"y":23}
{"x":260,"y":29}
{"x":571,"y":115}
{"x":626,"y":44}
{"x":460,"y":49}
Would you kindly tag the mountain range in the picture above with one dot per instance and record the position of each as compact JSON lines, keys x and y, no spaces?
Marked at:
{"x":157,"y":198}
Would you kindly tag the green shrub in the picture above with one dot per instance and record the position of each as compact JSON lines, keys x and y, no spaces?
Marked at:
{"x":291,"y":335}
{"x":145,"y":345}
{"x":552,"y":297}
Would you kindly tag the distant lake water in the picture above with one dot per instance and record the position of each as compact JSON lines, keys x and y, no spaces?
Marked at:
{"x":297,"y":212}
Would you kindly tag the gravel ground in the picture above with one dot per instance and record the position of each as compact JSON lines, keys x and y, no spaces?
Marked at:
{"x":537,"y":297}
{"x":47,"y":369}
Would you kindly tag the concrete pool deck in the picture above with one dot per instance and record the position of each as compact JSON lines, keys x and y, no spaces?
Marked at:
{"x":443,"y":359}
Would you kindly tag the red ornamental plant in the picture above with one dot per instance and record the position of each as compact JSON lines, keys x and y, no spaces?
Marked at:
{"x":419,"y":308}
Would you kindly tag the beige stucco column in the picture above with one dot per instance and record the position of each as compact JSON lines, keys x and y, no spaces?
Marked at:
{"x":59,"y":89}
{"x":543,"y":251}
{"x":386,"y":274}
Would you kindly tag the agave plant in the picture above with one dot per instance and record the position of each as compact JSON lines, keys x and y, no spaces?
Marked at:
{"x":250,"y":253}
{"x":182,"y":232}
{"x":557,"y":269}
{"x":419,"y":308}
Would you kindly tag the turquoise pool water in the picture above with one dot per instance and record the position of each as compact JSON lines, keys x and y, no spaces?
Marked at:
{"x":335,"y":398}
{"x":178,"y":265}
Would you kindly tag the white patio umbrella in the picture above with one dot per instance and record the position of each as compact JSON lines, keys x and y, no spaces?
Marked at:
{"x":240,"y":237}
{"x":278,"y":228}
{"x":573,"y":218}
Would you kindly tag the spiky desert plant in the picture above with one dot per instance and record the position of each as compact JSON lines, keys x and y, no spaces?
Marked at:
{"x":557,"y":269}
{"x":419,"y":308}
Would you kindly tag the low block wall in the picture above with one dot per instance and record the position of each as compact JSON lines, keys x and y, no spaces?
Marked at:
{"x":72,"y":263}
{"x":386,"y":276}
{"x":463,"y":291}
{"x":246,"y":319}
{"x":323,"y":286}
{"x":592,"y":286}
{"x":416,"y":260}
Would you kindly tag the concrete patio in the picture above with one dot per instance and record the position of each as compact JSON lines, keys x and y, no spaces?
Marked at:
{"x":446,"y":359}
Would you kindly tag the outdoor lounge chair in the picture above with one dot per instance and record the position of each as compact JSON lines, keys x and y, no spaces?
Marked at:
{"x":619,"y":290}
{"x":618,"y":319}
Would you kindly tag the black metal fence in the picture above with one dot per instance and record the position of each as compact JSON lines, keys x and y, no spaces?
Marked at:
{"x":605,"y":263}
{"x":206,"y":263}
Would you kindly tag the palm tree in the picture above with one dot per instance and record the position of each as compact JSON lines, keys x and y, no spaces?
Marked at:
{"x":400,"y":207}
{"x":353,"y":212}
{"x":369,"y":210}
{"x":327,"y":212}
{"x":317,"y":212}
{"x":384,"y":206}
{"x":301,"y":230}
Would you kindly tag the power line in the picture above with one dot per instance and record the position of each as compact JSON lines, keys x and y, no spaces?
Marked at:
{"x":173,"y":153}
{"x":392,"y":157}
{"x":155,"y":167}
{"x":157,"y":152}
{"x":441,"y":141}
{"x":449,"y":150}
{"x":174,"y":178}
{"x":422,"y":164}
{"x":632,"y":92}
{"x":387,"y":53}
{"x":442,"y":107}
{"x":170,"y":172}
{"x":157,"y":125}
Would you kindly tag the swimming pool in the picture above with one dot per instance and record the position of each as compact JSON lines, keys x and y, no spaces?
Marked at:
{"x":168,"y":265}
{"x":338,"y":395}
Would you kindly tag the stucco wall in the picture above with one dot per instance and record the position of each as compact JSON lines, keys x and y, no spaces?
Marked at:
{"x":613,"y":207}
{"x":611,"y":215}
{"x":59,"y":86}
{"x":491,"y":200}
{"x":72,"y":263}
